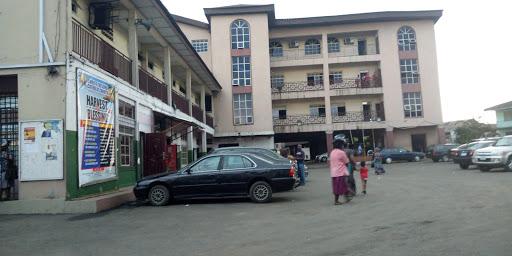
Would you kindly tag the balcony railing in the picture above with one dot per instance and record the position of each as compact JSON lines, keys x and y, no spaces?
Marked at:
{"x":297,"y":86}
{"x":298,"y":54}
{"x":353,"y":50}
{"x":92,"y":47}
{"x":346,"y":83}
{"x":209,"y":120}
{"x":197,"y":113}
{"x":151,"y":85}
{"x":181,"y":102}
{"x":294,"y":120}
{"x":358,"y":116}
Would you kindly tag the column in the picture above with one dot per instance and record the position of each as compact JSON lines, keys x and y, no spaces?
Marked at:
{"x":189,"y":91}
{"x":327,"y":86}
{"x":329,"y":139}
{"x":441,"y":133}
{"x":390,"y":139}
{"x":203,"y":143}
{"x":190,"y":135}
{"x":168,"y":73}
{"x":203,"y":101}
{"x":133,"y":47}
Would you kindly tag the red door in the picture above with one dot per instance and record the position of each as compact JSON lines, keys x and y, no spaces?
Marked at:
{"x":171,"y":158}
{"x":154,"y":153}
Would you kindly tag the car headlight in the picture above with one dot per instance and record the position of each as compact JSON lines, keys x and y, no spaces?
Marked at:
{"x":498,"y":153}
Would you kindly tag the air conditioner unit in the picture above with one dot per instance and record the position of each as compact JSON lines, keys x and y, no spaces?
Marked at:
{"x":240,"y":45}
{"x":412,"y":41}
{"x":294,"y":44}
{"x":349,"y":40}
{"x":407,"y":107}
{"x":235,"y":82}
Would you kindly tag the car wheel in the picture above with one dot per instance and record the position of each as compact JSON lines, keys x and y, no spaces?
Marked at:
{"x":417,"y":158}
{"x":508,"y":166}
{"x":389,"y":160}
{"x":261,"y":192}
{"x":446,"y":158}
{"x":464,"y":166}
{"x":324,"y":159}
{"x":435,"y":160}
{"x":483,"y":168}
{"x":159,"y":195}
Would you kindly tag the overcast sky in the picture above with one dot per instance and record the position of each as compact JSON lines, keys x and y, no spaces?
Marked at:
{"x":474,"y":49}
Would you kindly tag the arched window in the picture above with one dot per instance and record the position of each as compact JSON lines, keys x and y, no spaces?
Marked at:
{"x":406,"y":39}
{"x":275,"y":49}
{"x":239,"y":35}
{"x":333,"y":44}
{"x":312,"y":47}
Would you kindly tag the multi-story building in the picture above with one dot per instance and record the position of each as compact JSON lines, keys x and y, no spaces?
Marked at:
{"x":371,"y":75}
{"x":503,"y":118}
{"x":104,"y":92}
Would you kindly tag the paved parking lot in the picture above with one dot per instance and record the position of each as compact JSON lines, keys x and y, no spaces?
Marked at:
{"x":420,"y":208}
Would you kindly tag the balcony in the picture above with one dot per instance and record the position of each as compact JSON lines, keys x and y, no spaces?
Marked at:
{"x":181,"y":102}
{"x":209,"y":120}
{"x":197,"y":113}
{"x":347,"y":83}
{"x":152,"y":86}
{"x":297,"y":54}
{"x":353,"y":50}
{"x":90,"y":46}
{"x":296,"y":119}
{"x":300,"y":86}
{"x":358,"y":116}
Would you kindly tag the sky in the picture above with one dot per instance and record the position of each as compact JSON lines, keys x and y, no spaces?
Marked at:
{"x":474,"y":46}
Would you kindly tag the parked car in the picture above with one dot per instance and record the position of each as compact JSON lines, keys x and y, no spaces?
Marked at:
{"x":391,"y":154}
{"x":454,"y":151}
{"x":322,"y":157}
{"x":219,"y":175}
{"x":464,"y":156}
{"x":440,"y":152}
{"x":496,"y":156}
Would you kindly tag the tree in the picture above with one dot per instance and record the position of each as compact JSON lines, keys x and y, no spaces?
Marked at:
{"x":471,"y":130}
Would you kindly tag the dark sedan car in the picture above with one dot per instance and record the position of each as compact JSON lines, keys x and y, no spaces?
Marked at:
{"x":219,"y":175}
{"x":440,"y":152}
{"x":391,"y":154}
{"x":464,"y":156}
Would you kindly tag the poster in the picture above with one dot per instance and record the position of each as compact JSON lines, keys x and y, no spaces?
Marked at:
{"x":51,"y":152}
{"x":96,"y":129}
{"x":29,"y":135}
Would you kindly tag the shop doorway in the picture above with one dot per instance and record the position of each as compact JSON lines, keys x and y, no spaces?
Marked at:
{"x":154,"y":153}
{"x":419,"y":142}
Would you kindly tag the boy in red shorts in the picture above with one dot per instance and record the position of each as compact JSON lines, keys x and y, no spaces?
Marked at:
{"x":364,"y":175}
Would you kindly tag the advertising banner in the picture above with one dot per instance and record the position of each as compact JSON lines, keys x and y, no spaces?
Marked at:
{"x":96,"y":129}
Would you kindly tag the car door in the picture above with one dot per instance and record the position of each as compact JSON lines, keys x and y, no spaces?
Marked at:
{"x":404,"y":154}
{"x":200,"y":180}
{"x":235,"y":174}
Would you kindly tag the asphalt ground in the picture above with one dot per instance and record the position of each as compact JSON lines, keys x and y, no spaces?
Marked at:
{"x":420,"y":208}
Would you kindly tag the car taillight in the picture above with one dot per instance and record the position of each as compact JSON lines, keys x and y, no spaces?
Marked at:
{"x":291,"y":172}
{"x":471,"y":153}
{"x":433,"y":152}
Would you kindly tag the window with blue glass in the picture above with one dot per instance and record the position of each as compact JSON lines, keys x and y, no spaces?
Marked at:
{"x":333,"y":44}
{"x":242,"y":71}
{"x":312,"y":47}
{"x":200,"y":45}
{"x":239,"y":35}
{"x":242,"y":106}
{"x":409,"y":71}
{"x":406,"y":39}
{"x":276,"y":49}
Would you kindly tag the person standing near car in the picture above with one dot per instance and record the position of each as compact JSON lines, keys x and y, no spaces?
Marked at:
{"x":299,"y":157}
{"x":339,"y":169}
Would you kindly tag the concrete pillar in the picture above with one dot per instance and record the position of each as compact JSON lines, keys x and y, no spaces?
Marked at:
{"x":203,"y":143}
{"x":329,"y":139}
{"x":190,"y":144}
{"x":189,"y":91}
{"x":203,"y":101}
{"x":441,"y":134}
{"x":133,"y":47}
{"x":168,"y":72}
{"x":390,"y":139}
{"x":327,"y":86}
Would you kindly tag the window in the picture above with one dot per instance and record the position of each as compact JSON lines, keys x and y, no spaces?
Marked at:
{"x":279,"y":113}
{"x":126,"y":145}
{"x":236,"y":162}
{"x":317,"y":110}
{"x":277,"y":81}
{"x":338,"y":109}
{"x":126,"y":109}
{"x":239,"y":35}
{"x":412,"y":104}
{"x":312,"y":47}
{"x":335,"y":78}
{"x":276,"y":49}
{"x":507,"y":115}
{"x":406,"y":39}
{"x":333,"y":44}
{"x":208,"y":103}
{"x":206,"y":165}
{"x":108,"y":34}
{"x":409,"y":71}
{"x":243,"y":108}
{"x":183,"y":90}
{"x":242,"y":71}
{"x":150,"y":65}
{"x":200,"y":45}
{"x":315,"y":79}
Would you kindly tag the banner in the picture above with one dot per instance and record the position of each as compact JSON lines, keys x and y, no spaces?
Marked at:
{"x":96,"y":129}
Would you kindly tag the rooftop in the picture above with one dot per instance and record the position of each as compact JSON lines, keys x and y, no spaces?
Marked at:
{"x":501,"y":106}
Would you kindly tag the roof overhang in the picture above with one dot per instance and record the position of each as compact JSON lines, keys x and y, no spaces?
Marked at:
{"x":242,"y":9}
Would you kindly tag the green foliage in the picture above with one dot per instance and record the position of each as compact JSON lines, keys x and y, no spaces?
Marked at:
{"x":471,"y":130}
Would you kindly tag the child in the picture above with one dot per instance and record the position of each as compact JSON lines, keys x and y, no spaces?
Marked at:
{"x":364,"y":175}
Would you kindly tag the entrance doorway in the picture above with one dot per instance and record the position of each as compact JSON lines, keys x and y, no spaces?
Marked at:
{"x":9,"y":120}
{"x":361,"y":47}
{"x":367,"y":112}
{"x":154,"y":153}
{"x":419,"y":142}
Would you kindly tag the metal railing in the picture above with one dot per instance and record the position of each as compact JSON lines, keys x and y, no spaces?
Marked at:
{"x":197,"y":113}
{"x":300,"y":86}
{"x":151,"y":85}
{"x":358,"y":116}
{"x":181,"y":102}
{"x":90,"y":46}
{"x":346,"y":83}
{"x":353,"y":50}
{"x":294,"y":120}
{"x":209,"y":120}
{"x":296,"y":54}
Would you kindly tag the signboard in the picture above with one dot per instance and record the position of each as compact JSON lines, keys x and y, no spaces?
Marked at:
{"x":96,"y":129}
{"x":41,"y":150}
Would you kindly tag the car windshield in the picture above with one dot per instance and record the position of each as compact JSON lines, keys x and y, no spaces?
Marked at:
{"x":480,"y":145}
{"x":504,"y":142}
